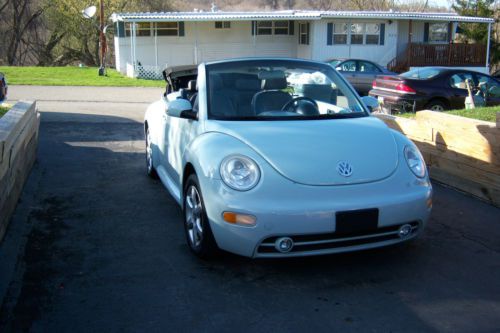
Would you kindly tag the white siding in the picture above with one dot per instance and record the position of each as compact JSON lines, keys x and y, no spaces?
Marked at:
{"x":202,"y":42}
{"x":380,"y":54}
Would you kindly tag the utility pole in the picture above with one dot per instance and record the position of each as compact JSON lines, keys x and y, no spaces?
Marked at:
{"x":102,"y":39}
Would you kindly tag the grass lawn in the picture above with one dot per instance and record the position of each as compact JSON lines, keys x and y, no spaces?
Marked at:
{"x":3,"y":110}
{"x":488,"y":113}
{"x":72,"y":76}
{"x":485,"y":113}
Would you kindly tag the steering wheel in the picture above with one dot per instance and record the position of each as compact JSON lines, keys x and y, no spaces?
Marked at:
{"x":296,"y":99}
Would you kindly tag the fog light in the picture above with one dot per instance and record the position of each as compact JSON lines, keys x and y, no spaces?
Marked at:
{"x":284,"y":244}
{"x":241,"y":219}
{"x":404,"y":230}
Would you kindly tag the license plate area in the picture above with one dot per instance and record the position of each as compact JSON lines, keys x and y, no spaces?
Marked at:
{"x":356,"y":222}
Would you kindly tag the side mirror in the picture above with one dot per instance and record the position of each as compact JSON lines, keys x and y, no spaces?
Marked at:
{"x":181,"y":108}
{"x":370,"y":102}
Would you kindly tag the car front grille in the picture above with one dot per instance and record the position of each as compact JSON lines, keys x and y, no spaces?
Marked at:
{"x":331,"y":241}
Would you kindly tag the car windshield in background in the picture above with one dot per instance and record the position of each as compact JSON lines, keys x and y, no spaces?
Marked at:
{"x":421,"y":73}
{"x":335,"y":62}
{"x":278,"y":89}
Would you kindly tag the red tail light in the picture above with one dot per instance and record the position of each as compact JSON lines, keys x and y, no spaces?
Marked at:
{"x":374,"y":83}
{"x":405,"y":88}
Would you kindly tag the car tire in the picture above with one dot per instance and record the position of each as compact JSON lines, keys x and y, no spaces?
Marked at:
{"x":199,"y":235}
{"x":149,"y":157}
{"x":436,"y":105}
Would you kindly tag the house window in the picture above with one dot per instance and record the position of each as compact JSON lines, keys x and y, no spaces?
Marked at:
{"x":264,"y":27}
{"x":438,"y":32}
{"x":304,"y":33}
{"x":340,"y":33}
{"x":142,"y":29}
{"x":167,"y":29}
{"x":273,"y":28}
{"x":372,"y":34}
{"x":357,"y":31}
{"x":281,"y":27}
{"x":222,"y":25}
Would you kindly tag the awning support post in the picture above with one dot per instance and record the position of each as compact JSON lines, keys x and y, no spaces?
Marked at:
{"x":488,"y":42}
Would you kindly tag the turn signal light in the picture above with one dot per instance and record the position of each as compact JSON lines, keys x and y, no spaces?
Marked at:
{"x":429,"y":203}
{"x":241,"y":219}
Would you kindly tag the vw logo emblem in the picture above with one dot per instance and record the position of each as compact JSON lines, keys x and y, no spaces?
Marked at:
{"x":344,"y":168}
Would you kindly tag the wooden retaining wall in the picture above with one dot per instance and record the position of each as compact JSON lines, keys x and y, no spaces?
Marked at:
{"x":461,"y":152}
{"x":18,"y":145}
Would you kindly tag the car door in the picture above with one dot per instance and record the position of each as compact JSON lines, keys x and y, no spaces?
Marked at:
{"x":181,"y":132}
{"x":348,"y":70}
{"x":490,"y":89}
{"x":367,"y":71}
{"x":458,"y":89}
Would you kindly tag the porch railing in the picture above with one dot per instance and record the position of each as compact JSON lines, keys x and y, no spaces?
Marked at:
{"x":439,"y":55}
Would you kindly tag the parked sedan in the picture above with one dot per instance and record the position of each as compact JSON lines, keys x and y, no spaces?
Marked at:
{"x":3,"y":87}
{"x":262,"y":170}
{"x":359,"y":73}
{"x":433,"y":88}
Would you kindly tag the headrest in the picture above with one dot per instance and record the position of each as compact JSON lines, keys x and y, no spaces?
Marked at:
{"x":274,"y":84}
{"x":276,"y":74}
{"x":247,"y":84}
{"x":216,"y":82}
{"x":192,"y":85}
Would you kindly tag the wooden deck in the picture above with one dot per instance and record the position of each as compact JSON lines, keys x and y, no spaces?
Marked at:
{"x":420,"y":54}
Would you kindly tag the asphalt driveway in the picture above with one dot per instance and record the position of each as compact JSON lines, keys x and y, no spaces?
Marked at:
{"x":97,"y":246}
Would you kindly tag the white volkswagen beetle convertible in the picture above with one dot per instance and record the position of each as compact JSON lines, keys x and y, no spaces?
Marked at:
{"x":279,"y":158}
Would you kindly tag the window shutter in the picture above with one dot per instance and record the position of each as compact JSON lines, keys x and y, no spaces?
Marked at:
{"x":291,"y":26}
{"x":120,"y":29}
{"x":181,"y":29}
{"x":329,"y":34}
{"x":382,"y":33}
{"x":426,"y":32}
{"x":253,"y":27}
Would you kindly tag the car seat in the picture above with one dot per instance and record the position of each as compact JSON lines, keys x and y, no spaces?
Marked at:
{"x":272,"y":98}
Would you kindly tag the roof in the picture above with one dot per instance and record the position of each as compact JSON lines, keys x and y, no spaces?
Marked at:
{"x":293,"y":15}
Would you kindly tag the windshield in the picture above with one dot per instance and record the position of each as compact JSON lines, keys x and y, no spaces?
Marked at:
{"x":278,"y":89}
{"x":335,"y":62}
{"x":421,"y":73}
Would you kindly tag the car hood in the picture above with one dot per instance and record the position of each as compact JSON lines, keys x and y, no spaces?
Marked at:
{"x":309,"y":151}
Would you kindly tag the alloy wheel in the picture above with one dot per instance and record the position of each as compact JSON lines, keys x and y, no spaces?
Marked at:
{"x":194,"y":211}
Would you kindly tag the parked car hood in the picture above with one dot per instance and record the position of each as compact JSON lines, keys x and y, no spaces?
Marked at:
{"x":308,"y":152}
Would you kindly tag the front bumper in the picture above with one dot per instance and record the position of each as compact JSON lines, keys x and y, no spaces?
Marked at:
{"x":307,"y":214}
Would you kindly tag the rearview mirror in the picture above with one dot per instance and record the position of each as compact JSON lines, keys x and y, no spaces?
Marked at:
{"x":370,"y":102}
{"x":181,"y":108}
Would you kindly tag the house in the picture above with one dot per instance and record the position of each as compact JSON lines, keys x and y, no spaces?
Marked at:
{"x":145,"y":43}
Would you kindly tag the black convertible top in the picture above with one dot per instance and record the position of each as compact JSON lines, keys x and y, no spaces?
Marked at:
{"x":178,"y":76}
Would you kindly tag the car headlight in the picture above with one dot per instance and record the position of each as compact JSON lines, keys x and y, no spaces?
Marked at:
{"x":239,"y":172}
{"x":415,"y":161}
